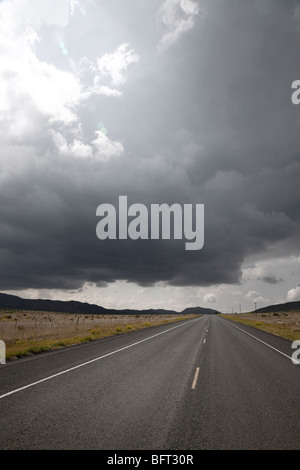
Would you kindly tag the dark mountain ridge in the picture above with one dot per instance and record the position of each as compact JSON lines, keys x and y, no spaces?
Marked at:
{"x":285,"y":307}
{"x":14,"y":302}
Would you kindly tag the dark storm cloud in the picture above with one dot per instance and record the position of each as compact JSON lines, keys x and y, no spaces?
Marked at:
{"x":208,"y":121}
{"x":271,"y":279}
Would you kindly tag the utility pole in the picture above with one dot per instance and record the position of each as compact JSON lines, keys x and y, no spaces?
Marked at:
{"x":255,"y":306}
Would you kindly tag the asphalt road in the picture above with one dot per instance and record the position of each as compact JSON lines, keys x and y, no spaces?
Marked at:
{"x":205,"y":383}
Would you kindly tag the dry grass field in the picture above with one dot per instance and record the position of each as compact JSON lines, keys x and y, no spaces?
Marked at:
{"x":29,"y":332}
{"x":285,"y":324}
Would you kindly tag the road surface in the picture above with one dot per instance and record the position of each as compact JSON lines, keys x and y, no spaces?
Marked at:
{"x":206,"y":383}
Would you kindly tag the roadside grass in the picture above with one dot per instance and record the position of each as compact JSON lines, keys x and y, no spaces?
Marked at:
{"x":279,"y":324}
{"x":25,"y":340}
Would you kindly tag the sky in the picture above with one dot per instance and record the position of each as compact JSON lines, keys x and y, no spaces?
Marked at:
{"x":164,"y":101}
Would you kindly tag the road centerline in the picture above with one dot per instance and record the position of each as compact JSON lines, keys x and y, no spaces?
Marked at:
{"x":195,"y":378}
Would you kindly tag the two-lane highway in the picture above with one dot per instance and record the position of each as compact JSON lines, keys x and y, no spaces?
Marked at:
{"x":205,"y":383}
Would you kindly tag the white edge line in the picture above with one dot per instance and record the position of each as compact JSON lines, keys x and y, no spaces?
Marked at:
{"x":92,"y":360}
{"x":195,"y":378}
{"x":272,"y":347}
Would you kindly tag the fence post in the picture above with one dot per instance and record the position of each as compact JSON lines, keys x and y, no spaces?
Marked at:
{"x":2,"y":352}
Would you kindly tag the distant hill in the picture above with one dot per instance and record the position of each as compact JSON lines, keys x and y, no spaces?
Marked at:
{"x":199,"y":311}
{"x":286,"y":307}
{"x":14,"y":302}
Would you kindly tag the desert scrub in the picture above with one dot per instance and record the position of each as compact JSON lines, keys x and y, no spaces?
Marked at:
{"x":286,"y":330}
{"x":86,"y":339}
{"x":37,"y":349}
{"x":95,"y":331}
{"x":36,"y":332}
{"x":60,"y":344}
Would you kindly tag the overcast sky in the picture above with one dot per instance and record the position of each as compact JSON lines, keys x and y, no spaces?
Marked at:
{"x":165,"y":101}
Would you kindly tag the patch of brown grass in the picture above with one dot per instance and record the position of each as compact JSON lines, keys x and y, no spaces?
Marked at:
{"x":33,"y":332}
{"x":285,"y":324}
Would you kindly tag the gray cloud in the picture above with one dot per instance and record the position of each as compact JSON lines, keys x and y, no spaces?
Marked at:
{"x":209,"y":120}
{"x":271,"y":279}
